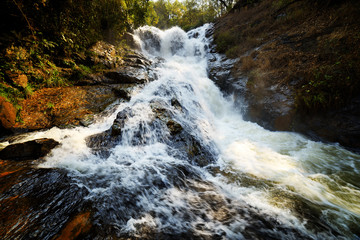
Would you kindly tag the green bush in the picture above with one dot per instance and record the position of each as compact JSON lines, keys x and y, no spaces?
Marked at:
{"x":329,"y":86}
{"x":226,"y":40}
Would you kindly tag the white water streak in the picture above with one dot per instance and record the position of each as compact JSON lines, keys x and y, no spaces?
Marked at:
{"x":288,"y":160}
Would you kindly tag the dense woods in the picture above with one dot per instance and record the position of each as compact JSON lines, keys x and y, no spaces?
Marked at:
{"x":46,"y":43}
{"x":189,"y":13}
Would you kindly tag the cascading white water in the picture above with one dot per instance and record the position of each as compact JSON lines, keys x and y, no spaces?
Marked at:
{"x":280,"y":176}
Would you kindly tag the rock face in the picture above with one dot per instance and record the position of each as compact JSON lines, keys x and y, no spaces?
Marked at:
{"x":338,"y":125}
{"x":65,"y":106}
{"x":30,"y":150}
{"x":288,"y":78}
{"x":272,"y":106}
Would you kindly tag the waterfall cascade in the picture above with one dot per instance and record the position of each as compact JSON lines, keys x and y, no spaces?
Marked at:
{"x":215,"y":176}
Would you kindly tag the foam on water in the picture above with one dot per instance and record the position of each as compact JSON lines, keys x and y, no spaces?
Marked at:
{"x":257,"y":169}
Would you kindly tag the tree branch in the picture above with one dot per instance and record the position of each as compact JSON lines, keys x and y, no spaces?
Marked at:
{"x":27,"y":20}
{"x":224,"y":3}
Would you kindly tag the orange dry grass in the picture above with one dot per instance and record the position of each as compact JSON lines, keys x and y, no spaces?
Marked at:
{"x":43,"y":106}
{"x":247,"y":63}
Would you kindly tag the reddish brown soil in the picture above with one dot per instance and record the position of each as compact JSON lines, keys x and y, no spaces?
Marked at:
{"x":63,"y":106}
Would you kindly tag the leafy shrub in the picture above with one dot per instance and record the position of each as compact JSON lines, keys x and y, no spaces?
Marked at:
{"x":226,"y":40}
{"x":329,"y":86}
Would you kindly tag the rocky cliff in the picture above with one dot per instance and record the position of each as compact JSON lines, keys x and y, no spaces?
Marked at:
{"x":296,"y":63}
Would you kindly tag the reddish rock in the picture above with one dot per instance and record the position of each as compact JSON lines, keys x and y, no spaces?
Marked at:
{"x":7,"y":113}
{"x":21,"y":80}
{"x":80,"y":224}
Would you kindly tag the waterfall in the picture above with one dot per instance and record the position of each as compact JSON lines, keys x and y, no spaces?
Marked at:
{"x":246,"y":183}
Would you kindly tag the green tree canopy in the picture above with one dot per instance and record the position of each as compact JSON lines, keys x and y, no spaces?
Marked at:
{"x":189,"y":13}
{"x":75,"y":24}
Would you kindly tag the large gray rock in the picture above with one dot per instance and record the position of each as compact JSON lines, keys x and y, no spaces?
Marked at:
{"x":131,"y":41}
{"x":101,"y":143}
{"x":30,"y":150}
{"x":179,"y":137}
{"x":135,"y":68}
{"x":127,"y":75}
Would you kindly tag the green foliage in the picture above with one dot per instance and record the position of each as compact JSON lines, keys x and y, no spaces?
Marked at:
{"x":72,"y":26}
{"x":151,"y":18}
{"x":85,"y":69}
{"x":329,"y":86}
{"x":50,"y":105}
{"x":28,"y":91}
{"x":233,"y":52}
{"x":226,"y":40}
{"x":281,"y":3}
{"x":31,"y":62}
{"x":49,"y":108}
{"x":187,"y":14}
{"x":81,"y":71}
{"x":44,"y":42}
{"x":11,"y":94}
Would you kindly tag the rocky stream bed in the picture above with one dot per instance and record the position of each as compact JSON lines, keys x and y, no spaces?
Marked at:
{"x":172,"y":158}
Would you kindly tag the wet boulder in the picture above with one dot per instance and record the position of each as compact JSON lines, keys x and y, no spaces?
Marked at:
{"x":180,"y":136}
{"x":136,"y":59}
{"x":132,"y":68}
{"x":191,"y":148}
{"x":30,"y":150}
{"x":160,"y":109}
{"x":174,"y":127}
{"x":127,"y":74}
{"x":101,"y":143}
{"x":151,"y":40}
{"x":131,"y":41}
{"x":135,"y":69}
{"x":168,"y":130}
{"x":120,"y":121}
{"x":176,"y":104}
{"x":122,"y":93}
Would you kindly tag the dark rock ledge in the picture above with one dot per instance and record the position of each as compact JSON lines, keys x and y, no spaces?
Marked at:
{"x":30,"y":150}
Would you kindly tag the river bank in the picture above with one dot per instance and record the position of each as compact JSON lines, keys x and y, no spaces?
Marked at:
{"x":296,"y":64}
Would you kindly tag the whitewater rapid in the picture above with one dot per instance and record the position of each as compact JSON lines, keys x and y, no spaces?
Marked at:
{"x":283,"y":177}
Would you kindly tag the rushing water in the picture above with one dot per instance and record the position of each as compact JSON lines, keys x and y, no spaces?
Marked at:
{"x":258,"y":184}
